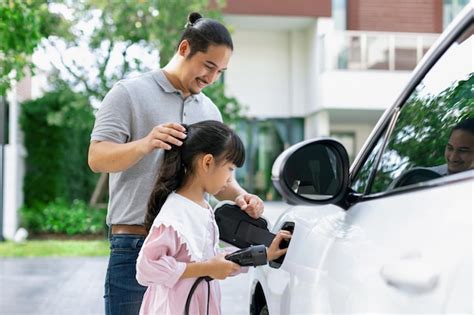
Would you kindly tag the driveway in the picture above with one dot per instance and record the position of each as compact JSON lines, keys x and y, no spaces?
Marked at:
{"x":47,"y":286}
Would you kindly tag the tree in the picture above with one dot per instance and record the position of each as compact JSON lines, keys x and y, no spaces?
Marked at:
{"x":421,"y":133}
{"x":22,"y":26}
{"x":423,"y":129}
{"x":56,"y":130}
{"x":120,"y":33}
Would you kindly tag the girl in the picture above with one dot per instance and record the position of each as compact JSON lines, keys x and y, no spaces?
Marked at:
{"x":182,"y":243}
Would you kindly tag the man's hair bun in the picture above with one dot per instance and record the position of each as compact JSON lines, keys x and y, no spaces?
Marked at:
{"x":193,"y":18}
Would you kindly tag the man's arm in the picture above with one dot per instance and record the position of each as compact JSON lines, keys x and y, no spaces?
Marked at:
{"x":232,"y":191}
{"x":249,"y":203}
{"x":110,"y":157}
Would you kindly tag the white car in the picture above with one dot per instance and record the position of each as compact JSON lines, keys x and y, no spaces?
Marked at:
{"x":392,"y":234}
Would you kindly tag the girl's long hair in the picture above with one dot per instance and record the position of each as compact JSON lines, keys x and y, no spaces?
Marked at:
{"x":206,"y":137}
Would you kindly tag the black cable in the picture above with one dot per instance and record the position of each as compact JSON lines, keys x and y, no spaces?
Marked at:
{"x":251,"y":256}
{"x":191,"y":292}
{"x":208,"y":296}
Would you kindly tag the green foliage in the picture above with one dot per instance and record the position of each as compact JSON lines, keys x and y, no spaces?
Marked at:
{"x":156,"y":23}
{"x":424,"y":125}
{"x":56,"y":128}
{"x":121,"y":26}
{"x":22,"y":26}
{"x":423,"y":129}
{"x":55,"y":248}
{"x":151,"y":25}
{"x":420,"y":135}
{"x":229,"y":107}
{"x":63,"y":217}
{"x":154,"y":26}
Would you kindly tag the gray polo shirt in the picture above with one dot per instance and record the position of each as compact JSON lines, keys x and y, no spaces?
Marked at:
{"x":129,"y":112}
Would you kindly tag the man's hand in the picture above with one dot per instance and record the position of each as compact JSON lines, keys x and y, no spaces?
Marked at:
{"x":162,"y":136}
{"x":251,"y":204}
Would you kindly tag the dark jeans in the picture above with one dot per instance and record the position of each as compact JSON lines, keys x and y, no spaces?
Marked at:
{"x":123,"y":294}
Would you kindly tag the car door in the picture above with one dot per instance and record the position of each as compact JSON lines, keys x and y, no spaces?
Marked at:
{"x":408,"y":247}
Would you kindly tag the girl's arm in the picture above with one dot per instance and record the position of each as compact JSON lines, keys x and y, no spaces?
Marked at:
{"x":249,"y":203}
{"x":217,"y":268}
{"x":158,"y":261}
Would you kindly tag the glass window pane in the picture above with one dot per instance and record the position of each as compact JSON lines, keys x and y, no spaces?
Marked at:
{"x":443,"y":99}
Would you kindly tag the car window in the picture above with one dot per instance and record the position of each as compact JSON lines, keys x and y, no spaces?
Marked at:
{"x":361,"y":180}
{"x":426,"y":133}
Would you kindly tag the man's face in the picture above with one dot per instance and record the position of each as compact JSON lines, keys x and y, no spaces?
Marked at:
{"x":459,"y":151}
{"x":203,"y":69}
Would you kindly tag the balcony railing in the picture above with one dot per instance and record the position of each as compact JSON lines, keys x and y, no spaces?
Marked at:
{"x":356,"y":50}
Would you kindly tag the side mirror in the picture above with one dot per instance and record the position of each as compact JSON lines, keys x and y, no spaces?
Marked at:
{"x":312,"y":172}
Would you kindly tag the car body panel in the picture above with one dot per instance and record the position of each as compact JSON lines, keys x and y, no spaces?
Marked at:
{"x":338,"y":264}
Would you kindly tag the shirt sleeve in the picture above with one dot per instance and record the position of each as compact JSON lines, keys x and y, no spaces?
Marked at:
{"x":156,"y":263}
{"x":114,"y":117}
{"x":212,"y":110}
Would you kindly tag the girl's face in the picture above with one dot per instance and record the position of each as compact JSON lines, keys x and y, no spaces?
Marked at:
{"x":219,"y":175}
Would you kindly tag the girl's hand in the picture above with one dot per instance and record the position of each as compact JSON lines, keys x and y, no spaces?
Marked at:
{"x":274,"y":251}
{"x":220,"y":268}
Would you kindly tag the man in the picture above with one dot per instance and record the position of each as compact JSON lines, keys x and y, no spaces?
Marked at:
{"x":459,"y":151}
{"x":139,"y":119}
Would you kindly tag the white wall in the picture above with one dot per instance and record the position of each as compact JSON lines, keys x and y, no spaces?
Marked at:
{"x":13,"y":170}
{"x":317,"y":125}
{"x":361,"y":132}
{"x":267,"y":72}
{"x":360,"y":89}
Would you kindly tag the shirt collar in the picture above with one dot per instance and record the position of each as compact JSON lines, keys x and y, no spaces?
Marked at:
{"x":167,"y":87}
{"x":190,"y":221}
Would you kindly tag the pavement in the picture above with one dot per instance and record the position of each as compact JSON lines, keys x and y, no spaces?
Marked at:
{"x":58,"y":286}
{"x":50,"y":286}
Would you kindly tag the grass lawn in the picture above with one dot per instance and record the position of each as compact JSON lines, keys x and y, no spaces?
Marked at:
{"x":55,"y":248}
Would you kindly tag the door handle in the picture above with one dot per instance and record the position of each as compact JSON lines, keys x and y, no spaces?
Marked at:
{"x":410,"y":275}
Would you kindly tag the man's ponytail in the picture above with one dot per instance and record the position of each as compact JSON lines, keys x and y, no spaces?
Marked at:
{"x":169,"y":179}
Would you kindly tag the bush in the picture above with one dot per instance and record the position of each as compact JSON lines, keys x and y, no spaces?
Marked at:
{"x":57,"y":130}
{"x":60,"y":216}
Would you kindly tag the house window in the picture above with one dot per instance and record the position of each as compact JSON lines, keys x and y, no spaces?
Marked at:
{"x":450,"y":9}
{"x":339,"y":14}
{"x":264,"y":140}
